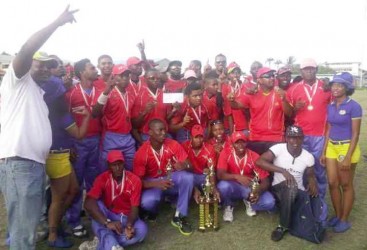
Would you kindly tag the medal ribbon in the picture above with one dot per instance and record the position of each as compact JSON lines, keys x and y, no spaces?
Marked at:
{"x":155,"y":96}
{"x":114,"y":185}
{"x":197,"y":116}
{"x":314,"y":87}
{"x":238,"y":162}
{"x":89,"y":105}
{"x":158,"y":157}
{"x":124,"y":99}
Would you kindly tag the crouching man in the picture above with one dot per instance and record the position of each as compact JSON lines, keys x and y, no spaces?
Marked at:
{"x":113,"y":203}
{"x":289,"y":162}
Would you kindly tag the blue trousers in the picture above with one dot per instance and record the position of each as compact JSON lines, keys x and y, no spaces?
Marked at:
{"x":115,"y":141}
{"x":22,"y":183}
{"x":232,"y":190}
{"x":107,"y":238}
{"x":86,"y":170}
{"x":183,"y":184}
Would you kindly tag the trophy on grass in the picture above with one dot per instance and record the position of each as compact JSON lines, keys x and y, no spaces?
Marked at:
{"x":208,"y":202}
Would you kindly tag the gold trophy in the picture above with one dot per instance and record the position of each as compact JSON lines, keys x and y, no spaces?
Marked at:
{"x":208,"y":202}
{"x":169,"y":170}
{"x":254,"y":185}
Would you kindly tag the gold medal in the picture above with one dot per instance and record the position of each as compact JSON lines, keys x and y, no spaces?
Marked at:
{"x":310,"y":107}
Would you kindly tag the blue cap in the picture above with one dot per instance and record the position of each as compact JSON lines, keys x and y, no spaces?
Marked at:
{"x":344,"y":78}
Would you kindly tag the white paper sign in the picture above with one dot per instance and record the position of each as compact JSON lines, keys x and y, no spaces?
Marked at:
{"x":173,"y":97}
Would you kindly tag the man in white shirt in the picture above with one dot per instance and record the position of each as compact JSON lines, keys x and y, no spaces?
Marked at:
{"x":289,"y":162}
{"x":25,"y":137}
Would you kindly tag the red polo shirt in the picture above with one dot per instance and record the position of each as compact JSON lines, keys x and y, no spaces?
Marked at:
{"x":100,"y":83}
{"x":267,"y":116}
{"x":143,"y":98}
{"x":136,"y":87}
{"x":199,"y":116}
{"x":151,"y":164}
{"x":311,"y":121}
{"x":239,"y":119}
{"x":200,"y":160}
{"x":116,"y":115}
{"x":210,"y":104}
{"x":118,"y":198}
{"x":245,"y":166}
{"x":77,"y":97}
{"x":174,"y":86}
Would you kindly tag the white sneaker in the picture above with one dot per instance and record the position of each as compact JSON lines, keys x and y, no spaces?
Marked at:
{"x":228,"y":214}
{"x":117,"y":247}
{"x":89,"y":245}
{"x":249,"y":211}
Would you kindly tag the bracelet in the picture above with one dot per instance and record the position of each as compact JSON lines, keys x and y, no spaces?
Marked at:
{"x":106,"y":222}
{"x":102,"y":99}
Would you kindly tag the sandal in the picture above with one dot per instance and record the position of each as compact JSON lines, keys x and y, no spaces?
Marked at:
{"x":80,"y":232}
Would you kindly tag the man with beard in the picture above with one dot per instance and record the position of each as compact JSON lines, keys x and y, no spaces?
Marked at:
{"x":87,"y":149}
{"x":113,"y":203}
{"x":162,"y":165}
{"x":289,"y":162}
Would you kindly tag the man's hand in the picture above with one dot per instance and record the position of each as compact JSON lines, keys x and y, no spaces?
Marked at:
{"x":187,"y":119}
{"x":129,"y":231}
{"x":312,"y":187}
{"x":149,"y":107}
{"x":243,"y":180}
{"x":66,"y":17}
{"x":323,"y":160}
{"x":163,"y":184}
{"x":300,"y":104}
{"x":231,"y":97}
{"x":81,"y":110}
{"x":289,"y":179}
{"x":197,"y":195}
{"x":115,"y":226}
{"x":141,"y":46}
{"x":251,"y":90}
{"x":254,"y":198}
{"x":218,"y":147}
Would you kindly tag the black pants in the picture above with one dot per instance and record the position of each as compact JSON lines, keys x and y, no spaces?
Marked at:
{"x":285,"y":197}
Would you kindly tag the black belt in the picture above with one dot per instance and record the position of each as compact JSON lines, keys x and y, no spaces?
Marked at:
{"x":60,"y":151}
{"x":15,"y":158}
{"x":339,"y":142}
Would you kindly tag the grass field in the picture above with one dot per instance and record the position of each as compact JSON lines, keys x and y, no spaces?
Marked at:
{"x":252,"y":233}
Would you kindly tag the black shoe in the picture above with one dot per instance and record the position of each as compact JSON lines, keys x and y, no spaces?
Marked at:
{"x":147,"y":216}
{"x":278,"y":233}
{"x":183,"y":226}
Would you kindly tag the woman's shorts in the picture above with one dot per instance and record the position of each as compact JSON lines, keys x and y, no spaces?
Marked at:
{"x":339,"y":151}
{"x":58,"y":165}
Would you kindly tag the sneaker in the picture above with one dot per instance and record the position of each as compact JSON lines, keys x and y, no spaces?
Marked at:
{"x":117,"y":247}
{"x":249,"y":211}
{"x":89,"y":245}
{"x":333,"y":222}
{"x":80,"y":232}
{"x":278,"y":233}
{"x":228,"y":214}
{"x":182,"y":224}
{"x":341,"y":227}
{"x":60,"y":242}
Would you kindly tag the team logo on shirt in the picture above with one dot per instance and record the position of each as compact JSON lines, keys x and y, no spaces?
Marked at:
{"x":342,"y":112}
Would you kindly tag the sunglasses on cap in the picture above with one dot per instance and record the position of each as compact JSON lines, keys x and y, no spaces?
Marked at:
{"x":215,"y":122}
{"x":269,"y":75}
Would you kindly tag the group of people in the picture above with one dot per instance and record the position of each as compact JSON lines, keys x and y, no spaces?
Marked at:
{"x":113,"y":135}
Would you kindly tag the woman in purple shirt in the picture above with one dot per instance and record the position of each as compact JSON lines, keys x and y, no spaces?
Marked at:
{"x":341,"y":151}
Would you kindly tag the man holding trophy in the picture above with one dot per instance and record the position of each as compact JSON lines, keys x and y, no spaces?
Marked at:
{"x":240,"y":178}
{"x":162,"y":165}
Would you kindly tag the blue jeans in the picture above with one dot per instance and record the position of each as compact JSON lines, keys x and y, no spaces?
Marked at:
{"x":22,"y":183}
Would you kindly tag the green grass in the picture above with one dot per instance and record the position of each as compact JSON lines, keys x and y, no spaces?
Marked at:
{"x":254,"y":233}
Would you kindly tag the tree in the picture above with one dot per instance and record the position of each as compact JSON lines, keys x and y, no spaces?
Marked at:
{"x":277,"y":63}
{"x":290,"y":61}
{"x":269,"y":60}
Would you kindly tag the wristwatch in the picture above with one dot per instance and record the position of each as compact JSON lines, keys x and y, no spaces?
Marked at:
{"x":106,"y":222}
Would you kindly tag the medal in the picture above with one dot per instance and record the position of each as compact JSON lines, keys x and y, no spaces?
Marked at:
{"x":159,"y":171}
{"x":310,"y":107}
{"x":125,"y":101}
{"x":342,"y":112}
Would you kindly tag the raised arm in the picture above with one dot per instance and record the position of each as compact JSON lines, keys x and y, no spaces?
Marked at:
{"x":23,"y":60}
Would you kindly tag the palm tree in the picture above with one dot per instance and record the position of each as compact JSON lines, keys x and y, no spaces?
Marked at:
{"x":269,"y":60}
{"x":290,"y":60}
{"x":277,"y":63}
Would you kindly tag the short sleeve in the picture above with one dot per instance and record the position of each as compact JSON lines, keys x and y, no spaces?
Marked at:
{"x":139,"y":166}
{"x":356,"y":112}
{"x":97,"y":189}
{"x":223,"y":159}
{"x":179,"y":152}
{"x":136,"y":194}
{"x":276,"y":149}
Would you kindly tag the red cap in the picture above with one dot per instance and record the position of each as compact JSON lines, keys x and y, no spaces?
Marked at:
{"x":238,"y":136}
{"x":133,"y":61}
{"x":283,"y":70}
{"x":263,"y":70}
{"x":115,"y":155}
{"x":118,"y":69}
{"x":197,"y":130}
{"x":232,"y":66}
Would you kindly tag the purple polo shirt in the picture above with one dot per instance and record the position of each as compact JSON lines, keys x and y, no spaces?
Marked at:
{"x":340,"y":119}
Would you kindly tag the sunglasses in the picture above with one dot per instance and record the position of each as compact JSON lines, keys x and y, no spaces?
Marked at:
{"x":268,"y":76}
{"x":215,"y":122}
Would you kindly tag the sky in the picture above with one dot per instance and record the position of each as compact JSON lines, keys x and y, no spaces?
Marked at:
{"x":244,"y":31}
